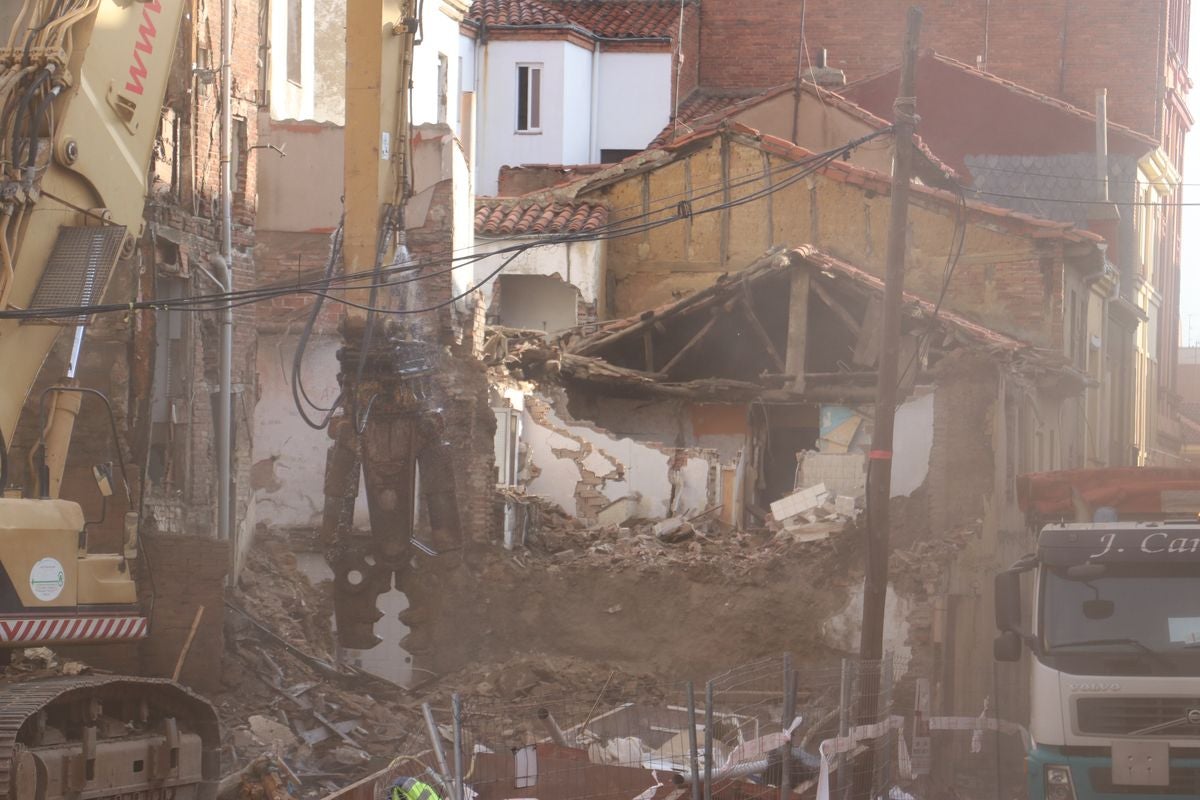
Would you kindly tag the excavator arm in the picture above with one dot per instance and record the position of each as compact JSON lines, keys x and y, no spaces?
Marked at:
{"x":81,"y":90}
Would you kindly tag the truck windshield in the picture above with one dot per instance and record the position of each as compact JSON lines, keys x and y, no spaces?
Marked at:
{"x":1128,"y":610}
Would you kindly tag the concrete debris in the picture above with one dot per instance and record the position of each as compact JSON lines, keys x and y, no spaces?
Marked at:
{"x":36,"y":662}
{"x":619,"y":511}
{"x":275,"y":734}
{"x":351,"y":756}
{"x":673,"y":529}
{"x":799,"y":502}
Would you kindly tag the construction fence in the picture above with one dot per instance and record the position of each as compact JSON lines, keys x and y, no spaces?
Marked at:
{"x":768,"y":729}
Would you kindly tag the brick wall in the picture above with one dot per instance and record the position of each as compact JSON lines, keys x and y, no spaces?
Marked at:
{"x":689,"y":53}
{"x":286,"y":257}
{"x":176,"y":575}
{"x":189,"y":211}
{"x":1109,"y":43}
{"x":461,"y":382}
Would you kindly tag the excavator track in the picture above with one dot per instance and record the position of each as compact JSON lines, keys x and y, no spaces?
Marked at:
{"x":106,"y":737}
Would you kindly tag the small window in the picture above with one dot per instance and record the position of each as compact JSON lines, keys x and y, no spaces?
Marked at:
{"x":529,"y":98}
{"x":613,"y":156}
{"x":293,"y":40}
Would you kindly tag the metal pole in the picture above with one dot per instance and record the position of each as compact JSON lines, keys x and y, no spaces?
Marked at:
{"x":693,"y":747}
{"x":435,"y":740}
{"x":789,"y":713}
{"x":224,"y":397}
{"x":708,"y":740}
{"x":458,"y":753}
{"x":845,"y":701}
{"x":879,"y":468}
{"x":552,"y":728}
{"x":1102,"y":144}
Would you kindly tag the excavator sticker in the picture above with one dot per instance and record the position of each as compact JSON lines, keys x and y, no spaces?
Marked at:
{"x":47,"y":579}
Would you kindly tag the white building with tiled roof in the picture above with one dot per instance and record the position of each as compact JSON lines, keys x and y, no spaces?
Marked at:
{"x":573,"y":81}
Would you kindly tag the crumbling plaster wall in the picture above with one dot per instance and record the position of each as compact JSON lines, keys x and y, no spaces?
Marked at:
{"x":289,"y":456}
{"x":1005,"y":279}
{"x":583,"y":468}
{"x":580,"y":264}
{"x":676,"y":423}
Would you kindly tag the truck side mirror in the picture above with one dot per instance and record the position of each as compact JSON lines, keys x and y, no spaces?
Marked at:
{"x":1008,"y":601}
{"x":1007,"y":646}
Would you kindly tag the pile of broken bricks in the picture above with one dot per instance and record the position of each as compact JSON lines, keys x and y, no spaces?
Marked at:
{"x":812,"y":514}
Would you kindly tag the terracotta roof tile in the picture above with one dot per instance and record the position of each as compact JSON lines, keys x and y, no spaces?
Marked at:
{"x":700,"y":103}
{"x":495,"y":216}
{"x":610,"y":19}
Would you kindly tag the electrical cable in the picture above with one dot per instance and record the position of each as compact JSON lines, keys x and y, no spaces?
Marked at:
{"x":322,"y":286}
{"x":1072,"y":201}
{"x":297,"y":378}
{"x":957,"y":242}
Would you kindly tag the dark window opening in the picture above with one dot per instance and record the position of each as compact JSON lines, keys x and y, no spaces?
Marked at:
{"x":613,"y":156}
{"x":784,"y":432}
{"x":529,"y":98}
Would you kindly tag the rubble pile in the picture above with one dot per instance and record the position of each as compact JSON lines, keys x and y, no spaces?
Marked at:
{"x":650,"y":545}
{"x":812,"y":513}
{"x":295,"y":720}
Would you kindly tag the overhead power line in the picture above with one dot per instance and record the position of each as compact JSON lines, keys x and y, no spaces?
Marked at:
{"x":322,"y":287}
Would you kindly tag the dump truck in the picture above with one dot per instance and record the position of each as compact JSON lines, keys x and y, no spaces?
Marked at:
{"x":1111,"y":621}
{"x":82,"y":84}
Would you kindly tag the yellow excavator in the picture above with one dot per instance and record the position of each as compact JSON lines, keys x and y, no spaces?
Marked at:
{"x":82,"y":83}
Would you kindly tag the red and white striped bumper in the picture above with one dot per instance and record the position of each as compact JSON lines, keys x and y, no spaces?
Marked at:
{"x":69,"y":630}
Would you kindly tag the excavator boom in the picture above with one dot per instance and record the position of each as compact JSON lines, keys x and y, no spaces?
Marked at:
{"x":82,"y":84}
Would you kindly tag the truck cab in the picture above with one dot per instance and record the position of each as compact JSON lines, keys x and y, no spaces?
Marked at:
{"x":1114,"y":640}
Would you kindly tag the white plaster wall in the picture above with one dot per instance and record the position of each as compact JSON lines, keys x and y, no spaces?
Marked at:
{"x":464,"y":215}
{"x":329,"y":46}
{"x":912,"y":444}
{"x":625,"y":124}
{"x":466,"y":80}
{"x":499,"y":143}
{"x":289,"y":456}
{"x":288,"y":100}
{"x":842,"y":630}
{"x":577,"y":106}
{"x":301,"y":192}
{"x":578,"y":263}
{"x":440,"y":34}
{"x":645,"y":469}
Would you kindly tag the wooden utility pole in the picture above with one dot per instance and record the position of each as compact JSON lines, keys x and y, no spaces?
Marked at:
{"x":879,"y":465}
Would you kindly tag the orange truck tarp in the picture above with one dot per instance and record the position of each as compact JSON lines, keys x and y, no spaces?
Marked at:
{"x":1133,"y":491}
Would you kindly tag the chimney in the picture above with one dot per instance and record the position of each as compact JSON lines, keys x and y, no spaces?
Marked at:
{"x":1103,"y":217}
{"x":824,"y":75}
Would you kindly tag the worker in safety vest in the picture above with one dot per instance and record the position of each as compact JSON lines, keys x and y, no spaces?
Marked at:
{"x":412,"y":789}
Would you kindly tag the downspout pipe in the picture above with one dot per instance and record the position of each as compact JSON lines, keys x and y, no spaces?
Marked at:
{"x":224,"y":268}
{"x":224,"y":401}
{"x":593,"y":127}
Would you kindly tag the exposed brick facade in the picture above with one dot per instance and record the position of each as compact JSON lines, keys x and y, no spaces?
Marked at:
{"x":1063,"y":48}
{"x":184,"y":209}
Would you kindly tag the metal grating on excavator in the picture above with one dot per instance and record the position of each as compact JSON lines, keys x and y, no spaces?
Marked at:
{"x":78,"y":269}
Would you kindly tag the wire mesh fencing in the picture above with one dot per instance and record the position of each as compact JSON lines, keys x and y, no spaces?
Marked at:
{"x":768,"y":729}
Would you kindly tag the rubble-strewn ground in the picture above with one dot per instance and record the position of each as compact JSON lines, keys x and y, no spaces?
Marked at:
{"x":592,"y":617}
{"x":550,"y":623}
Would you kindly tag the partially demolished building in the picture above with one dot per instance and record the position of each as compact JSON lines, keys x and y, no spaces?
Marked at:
{"x":736,"y":370}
